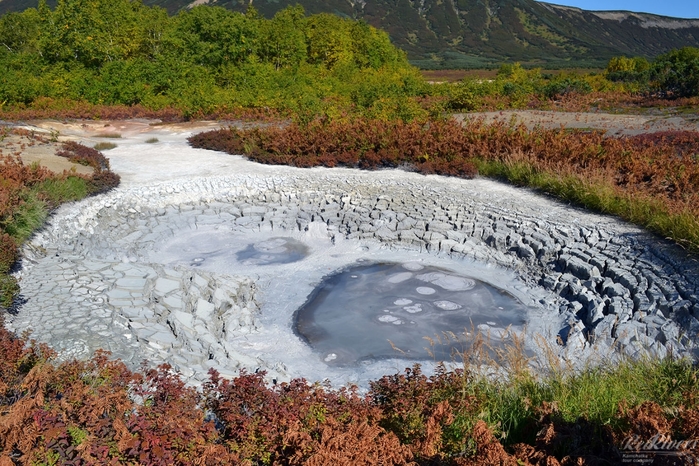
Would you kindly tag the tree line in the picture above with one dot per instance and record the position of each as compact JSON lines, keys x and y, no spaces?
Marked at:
{"x":120,"y":52}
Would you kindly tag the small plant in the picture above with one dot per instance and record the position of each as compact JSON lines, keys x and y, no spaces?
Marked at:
{"x":77,"y":153}
{"x":108,"y":135}
{"x":104,"y":146}
{"x":151,"y":140}
{"x":9,"y":289}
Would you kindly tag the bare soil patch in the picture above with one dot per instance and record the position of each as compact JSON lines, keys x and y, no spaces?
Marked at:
{"x":37,"y":147}
{"x":613,"y":124}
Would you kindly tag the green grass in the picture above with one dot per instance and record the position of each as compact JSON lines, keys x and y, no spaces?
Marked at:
{"x":9,"y":288}
{"x":56,"y":192}
{"x":151,"y":140}
{"x":28,"y":217}
{"x":108,"y":135}
{"x":104,"y":146}
{"x":683,"y":228}
{"x":31,"y":215}
{"x":510,"y":405}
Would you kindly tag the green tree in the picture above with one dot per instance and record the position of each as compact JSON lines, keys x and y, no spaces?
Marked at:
{"x":283,"y":42}
{"x":676,"y":73}
{"x":92,"y":31}
{"x":329,"y":40}
{"x":19,"y":31}
{"x":372,"y":47}
{"x":212,"y":36}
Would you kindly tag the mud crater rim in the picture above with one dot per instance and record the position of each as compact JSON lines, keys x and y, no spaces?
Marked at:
{"x":588,"y":274}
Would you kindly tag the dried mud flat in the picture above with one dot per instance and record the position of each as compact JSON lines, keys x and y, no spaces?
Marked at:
{"x":140,"y":270}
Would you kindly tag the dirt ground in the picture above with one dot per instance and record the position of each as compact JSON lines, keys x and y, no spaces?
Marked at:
{"x":613,"y":124}
{"x":48,"y":135}
{"x":34,"y":146}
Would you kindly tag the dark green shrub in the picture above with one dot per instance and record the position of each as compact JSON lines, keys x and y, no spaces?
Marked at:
{"x":557,"y":89}
{"x":676,"y":74}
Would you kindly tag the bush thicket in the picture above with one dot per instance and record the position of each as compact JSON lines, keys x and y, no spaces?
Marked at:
{"x":676,"y":73}
{"x":203,"y":60}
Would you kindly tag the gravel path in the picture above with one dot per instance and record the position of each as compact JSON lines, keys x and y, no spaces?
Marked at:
{"x":107,"y":273}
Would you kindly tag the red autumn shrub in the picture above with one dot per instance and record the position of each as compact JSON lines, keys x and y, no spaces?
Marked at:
{"x":368,"y":144}
{"x":83,"y":155}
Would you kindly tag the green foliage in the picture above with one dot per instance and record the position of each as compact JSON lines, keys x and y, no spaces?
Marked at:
{"x":93,"y":32}
{"x":202,"y":61}
{"x":623,"y":69}
{"x":9,"y":288}
{"x":285,"y":41}
{"x":19,"y":31}
{"x":29,"y":217}
{"x":676,"y":73}
{"x":516,"y":87}
{"x":568,"y":85}
{"x":77,"y":435}
{"x":56,"y":191}
{"x":470,"y":94}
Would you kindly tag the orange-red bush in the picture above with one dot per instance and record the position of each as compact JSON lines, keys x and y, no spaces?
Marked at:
{"x":433,"y":147}
{"x":102,"y":179}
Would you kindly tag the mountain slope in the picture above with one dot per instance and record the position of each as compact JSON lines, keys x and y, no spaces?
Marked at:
{"x":476,"y":33}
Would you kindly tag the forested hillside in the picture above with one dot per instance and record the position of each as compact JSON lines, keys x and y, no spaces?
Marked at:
{"x":484,"y":33}
{"x":120,"y":52}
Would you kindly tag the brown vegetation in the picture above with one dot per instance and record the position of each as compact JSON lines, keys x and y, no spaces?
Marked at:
{"x":99,"y":412}
{"x":61,"y":109}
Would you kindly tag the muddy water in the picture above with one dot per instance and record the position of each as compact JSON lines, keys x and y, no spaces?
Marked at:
{"x":280,"y":250}
{"x":220,"y":249}
{"x":410,"y":311}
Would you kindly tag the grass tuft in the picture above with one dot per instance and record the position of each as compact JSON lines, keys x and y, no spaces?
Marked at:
{"x":9,"y":288}
{"x":108,"y":135}
{"x":104,"y":146}
{"x":152,"y":140}
{"x":28,"y":217}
